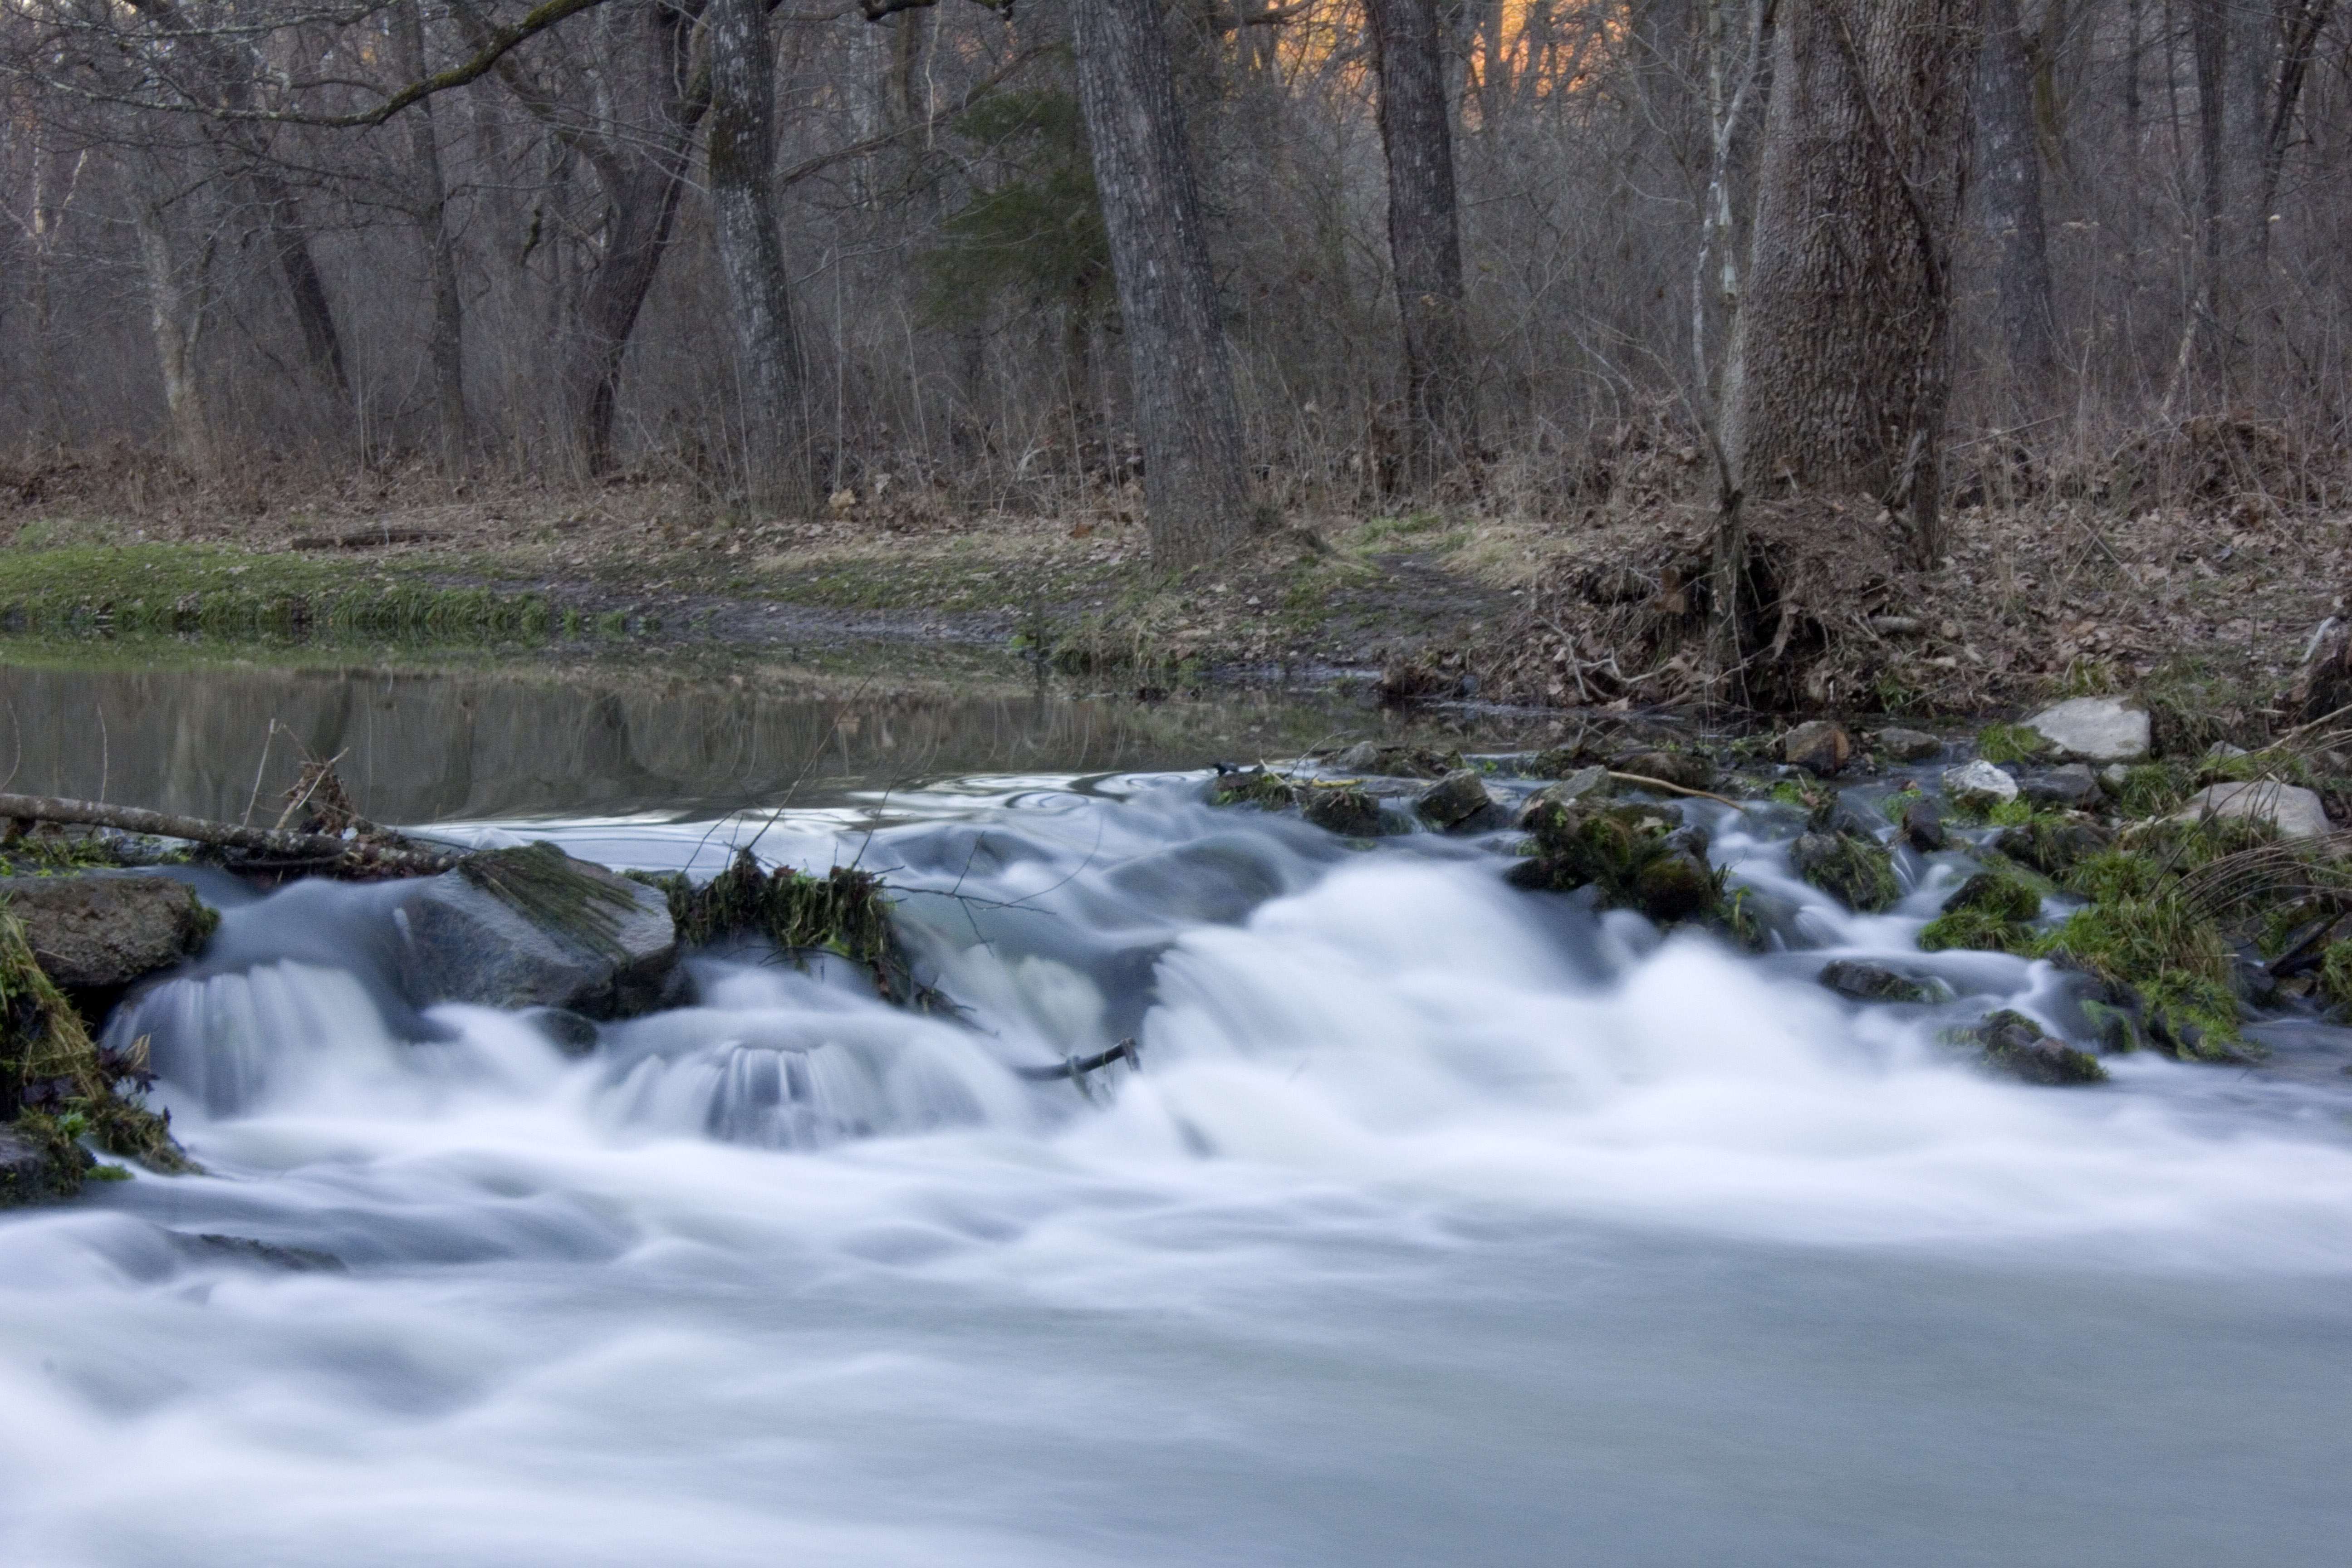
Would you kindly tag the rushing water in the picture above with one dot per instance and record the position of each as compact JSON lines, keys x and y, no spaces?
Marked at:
{"x":1441,"y":1224}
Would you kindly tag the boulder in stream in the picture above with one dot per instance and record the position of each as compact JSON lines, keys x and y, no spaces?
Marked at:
{"x":1348,"y":810}
{"x":1978,"y":787}
{"x":101,"y":934}
{"x":2012,"y":1044}
{"x":29,"y":1171}
{"x":1458,"y":802}
{"x":1819,"y":747}
{"x":534,"y":928}
{"x":1860,"y":981}
{"x":1900,"y":745}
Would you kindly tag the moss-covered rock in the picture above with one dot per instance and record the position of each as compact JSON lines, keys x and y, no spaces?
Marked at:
{"x":2012,"y":743}
{"x":1636,"y":855}
{"x":2173,"y":958}
{"x":845,"y":912}
{"x":1977,"y":931}
{"x":2051,"y":841}
{"x":1458,"y":802}
{"x":1261,"y":787}
{"x":1997,"y":893}
{"x":1861,"y":981}
{"x":1348,"y":810}
{"x":58,"y":1088}
{"x":1855,"y":870}
{"x":2012,"y":1044}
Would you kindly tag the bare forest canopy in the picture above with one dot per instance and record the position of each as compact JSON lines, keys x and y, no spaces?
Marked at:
{"x":1245,"y":258}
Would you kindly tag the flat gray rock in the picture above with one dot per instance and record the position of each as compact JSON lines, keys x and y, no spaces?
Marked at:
{"x":2295,"y":812}
{"x":2094,"y":729}
{"x":99,"y":933}
{"x":600,"y":945}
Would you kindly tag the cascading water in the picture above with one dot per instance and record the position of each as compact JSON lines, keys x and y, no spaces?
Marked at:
{"x":1443,"y":1223}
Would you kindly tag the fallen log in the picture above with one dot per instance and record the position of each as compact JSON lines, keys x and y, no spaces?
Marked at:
{"x":375,"y":854}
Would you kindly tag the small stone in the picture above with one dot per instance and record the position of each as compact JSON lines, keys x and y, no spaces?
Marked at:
{"x":1979,"y":785}
{"x":1923,"y":827}
{"x":2095,"y":730}
{"x":1908,"y":745}
{"x":2295,"y":812}
{"x":1401,"y":762}
{"x":1819,"y":747}
{"x":1873,"y":983}
{"x":2071,"y":785}
{"x":1584,"y":787}
{"x":1856,"y":871}
{"x":2114,"y":778}
{"x":1458,"y":802}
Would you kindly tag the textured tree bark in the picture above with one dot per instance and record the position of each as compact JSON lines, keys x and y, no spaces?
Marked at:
{"x":2209,"y":35}
{"x":1424,"y":232}
{"x":1196,"y":486}
{"x":176,"y":305}
{"x":446,"y":334}
{"x":2009,"y":156}
{"x":751,"y":253}
{"x":306,"y":289}
{"x":1844,"y":346}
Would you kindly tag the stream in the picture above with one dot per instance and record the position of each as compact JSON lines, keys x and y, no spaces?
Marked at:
{"x":1440,"y":1223}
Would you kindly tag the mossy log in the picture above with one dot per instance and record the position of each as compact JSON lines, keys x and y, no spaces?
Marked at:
{"x":372,"y":855}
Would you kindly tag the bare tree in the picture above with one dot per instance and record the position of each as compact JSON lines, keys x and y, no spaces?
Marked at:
{"x":2009,"y":153}
{"x":445,"y":335}
{"x":1424,"y":231}
{"x":1844,"y":343}
{"x":1196,"y":483}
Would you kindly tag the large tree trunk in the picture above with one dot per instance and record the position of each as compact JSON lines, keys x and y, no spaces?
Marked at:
{"x":2208,"y":32}
{"x":177,"y":301}
{"x":445,"y":332}
{"x":1844,"y":346}
{"x":751,"y":253}
{"x":1424,"y":231}
{"x":306,"y":289}
{"x":2010,"y":155}
{"x":1196,"y":486}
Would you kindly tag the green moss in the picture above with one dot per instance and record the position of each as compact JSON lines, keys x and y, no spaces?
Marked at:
{"x":2010,"y":743}
{"x":2139,"y":941}
{"x":1977,"y":931}
{"x":2335,"y":974}
{"x":553,"y":892}
{"x":2015,"y":812}
{"x":2153,"y":789}
{"x":1856,"y":871}
{"x":65,"y":1087}
{"x":1894,"y":806}
{"x":2002,"y":895}
{"x":1629,"y":855}
{"x":845,"y":912}
{"x":2117,"y":874}
{"x":1261,"y":787}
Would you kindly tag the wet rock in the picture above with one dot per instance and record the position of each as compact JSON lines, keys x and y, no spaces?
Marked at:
{"x":2114,"y":778}
{"x":2095,"y":730}
{"x":1346,"y":810}
{"x":1856,"y":871}
{"x":2071,"y":785}
{"x":244,"y":1250}
{"x":2002,"y":897}
{"x":1978,"y":787}
{"x":29,"y":1175}
{"x":2013,"y":1044}
{"x":532,"y":927}
{"x":101,"y":934}
{"x":1400,"y":762}
{"x":1675,"y":886}
{"x":1819,"y":747}
{"x":2052,"y":842}
{"x":572,"y":1032}
{"x":1458,"y":802}
{"x":1898,"y":745}
{"x":1923,"y":827}
{"x":1686,"y":769}
{"x":2296,"y":812}
{"x":1585,"y":787}
{"x":1252,"y":786}
{"x":1861,"y":982}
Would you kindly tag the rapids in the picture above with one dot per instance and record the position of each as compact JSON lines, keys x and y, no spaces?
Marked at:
{"x":1441,"y":1223}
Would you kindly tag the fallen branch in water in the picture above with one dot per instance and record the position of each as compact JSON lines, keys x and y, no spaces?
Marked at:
{"x":1648,"y":782}
{"x":407,"y":859}
{"x":1078,"y":1066}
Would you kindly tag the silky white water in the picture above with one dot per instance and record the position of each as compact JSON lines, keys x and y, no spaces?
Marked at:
{"x":1443,"y":1223}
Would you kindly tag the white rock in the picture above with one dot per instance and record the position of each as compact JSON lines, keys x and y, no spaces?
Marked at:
{"x":2095,"y":730}
{"x":1978,"y":784}
{"x":2296,"y":812}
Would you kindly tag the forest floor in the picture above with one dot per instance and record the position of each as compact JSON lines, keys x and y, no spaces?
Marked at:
{"x":2216,"y":594}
